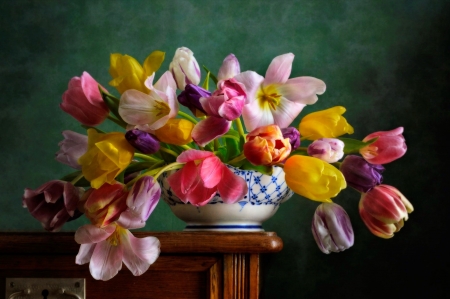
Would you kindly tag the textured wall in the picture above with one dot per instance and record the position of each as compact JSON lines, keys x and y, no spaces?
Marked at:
{"x":386,"y":61}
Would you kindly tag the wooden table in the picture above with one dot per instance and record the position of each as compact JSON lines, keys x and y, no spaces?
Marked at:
{"x":191,"y":265}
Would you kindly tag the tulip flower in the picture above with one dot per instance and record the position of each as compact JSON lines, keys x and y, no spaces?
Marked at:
{"x":313,"y":178}
{"x":360,"y":174}
{"x":141,"y":201}
{"x":128,"y":73}
{"x":176,"y":131}
{"x":104,"y":205}
{"x":266,"y":146}
{"x":184,"y":68}
{"x":53,"y":204}
{"x":389,"y":146}
{"x":384,"y":209}
{"x":106,"y":248}
{"x":142,"y":141}
{"x":327,"y":149}
{"x":72,"y":148}
{"x":276,"y":99}
{"x":150,"y":111}
{"x":209,"y":129}
{"x":202,"y":176}
{"x":332,"y":229}
{"x":107,"y":156}
{"x":83,"y":101}
{"x":294,"y":136}
{"x":230,"y":67}
{"x":190,"y":98}
{"x":327,"y":123}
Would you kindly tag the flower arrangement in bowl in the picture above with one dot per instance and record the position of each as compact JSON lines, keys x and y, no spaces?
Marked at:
{"x":232,"y":149}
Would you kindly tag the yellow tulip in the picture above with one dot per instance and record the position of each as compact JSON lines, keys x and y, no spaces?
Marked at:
{"x":327,"y":123}
{"x":313,"y":178}
{"x":128,"y":73}
{"x":107,"y":155}
{"x":176,"y":131}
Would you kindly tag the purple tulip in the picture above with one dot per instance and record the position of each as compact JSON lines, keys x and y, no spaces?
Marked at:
{"x":190,"y":97}
{"x":360,"y":174}
{"x":331,"y":228}
{"x":53,"y":204}
{"x":142,"y":141}
{"x":327,"y":149}
{"x":72,"y":148}
{"x":294,"y":136}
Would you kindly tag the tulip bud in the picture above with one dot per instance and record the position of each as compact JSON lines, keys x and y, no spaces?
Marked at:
{"x":142,"y":141}
{"x":230,"y":68}
{"x":184,"y":68}
{"x":190,"y":97}
{"x":266,"y":146}
{"x":384,"y":210}
{"x":331,"y":228}
{"x":83,"y":101}
{"x":53,"y":204}
{"x":360,"y":174}
{"x":72,"y":148}
{"x":327,"y":149}
{"x":389,"y":146}
{"x":104,"y":205}
{"x":294,"y":136}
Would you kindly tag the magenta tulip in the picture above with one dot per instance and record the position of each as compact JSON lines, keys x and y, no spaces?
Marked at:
{"x":389,"y":146}
{"x":83,"y":101}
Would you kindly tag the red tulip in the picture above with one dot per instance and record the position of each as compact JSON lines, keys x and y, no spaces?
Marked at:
{"x":389,"y":146}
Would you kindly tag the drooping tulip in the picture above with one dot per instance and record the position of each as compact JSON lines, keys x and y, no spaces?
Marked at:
{"x":331,"y":228}
{"x":83,"y":101}
{"x":184,"y":68}
{"x":106,"y":248}
{"x":128,"y":73}
{"x":328,"y":123}
{"x":53,"y":204}
{"x":176,"y":131}
{"x":72,"y":147}
{"x":202,"y":176}
{"x":106,"y":157}
{"x":276,"y":99}
{"x":389,"y":146}
{"x":384,"y":209}
{"x":142,"y":141}
{"x":294,"y":136}
{"x":266,"y":146}
{"x":327,"y":149}
{"x":313,"y":178}
{"x":360,"y":174}
{"x":104,"y":205}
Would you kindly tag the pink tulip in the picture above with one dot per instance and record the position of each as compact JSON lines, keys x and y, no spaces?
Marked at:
{"x":72,"y":148}
{"x":384,"y":209}
{"x":83,"y":101}
{"x":389,"y":146}
{"x":266,"y":146}
{"x":105,"y":204}
{"x":327,"y":149}
{"x":203,"y":176}
{"x":53,"y":204}
{"x":106,"y":248}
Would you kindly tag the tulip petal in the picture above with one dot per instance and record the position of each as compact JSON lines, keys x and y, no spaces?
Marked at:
{"x":130,"y":220}
{"x":286,"y":112}
{"x":231,"y":188}
{"x":106,"y":261}
{"x":189,"y":177}
{"x":209,"y":129}
{"x":302,"y":90}
{"x":84,"y":254}
{"x":230,"y":68}
{"x":279,"y":69}
{"x":200,"y":195}
{"x":254,"y":116}
{"x":192,"y":155}
{"x":252,"y":82}
{"x":88,"y":234}
{"x":139,"y":253}
{"x":211,"y":171}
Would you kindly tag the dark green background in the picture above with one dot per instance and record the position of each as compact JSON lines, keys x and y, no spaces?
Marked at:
{"x":386,"y":61}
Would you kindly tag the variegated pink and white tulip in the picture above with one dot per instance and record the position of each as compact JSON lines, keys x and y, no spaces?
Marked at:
{"x":184,"y":68}
{"x":72,"y":148}
{"x":327,"y":149}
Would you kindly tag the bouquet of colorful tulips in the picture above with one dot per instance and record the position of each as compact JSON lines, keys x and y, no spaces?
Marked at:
{"x":245,"y":122}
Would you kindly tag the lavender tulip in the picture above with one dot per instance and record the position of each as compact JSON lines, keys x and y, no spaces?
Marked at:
{"x":294,"y":136}
{"x":230,"y":68}
{"x":190,"y":97}
{"x":72,"y":148}
{"x":331,"y":228}
{"x":142,"y":141}
{"x":327,"y":149}
{"x":360,"y":174}
{"x":53,"y":204}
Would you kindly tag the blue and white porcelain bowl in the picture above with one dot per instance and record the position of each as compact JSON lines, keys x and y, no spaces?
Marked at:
{"x":265,"y":194}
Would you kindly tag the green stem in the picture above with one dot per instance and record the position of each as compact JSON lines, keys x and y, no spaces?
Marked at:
{"x":185,"y":146}
{"x":170,"y":152}
{"x":115,"y":120}
{"x":77,"y":178}
{"x":237,"y":159}
{"x":240,"y":127}
{"x":146,"y":157}
{"x":216,"y":144}
{"x":187,"y":116}
{"x":172,"y":166}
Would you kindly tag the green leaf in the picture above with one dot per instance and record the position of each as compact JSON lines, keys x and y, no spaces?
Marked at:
{"x":246,"y":165}
{"x":353,"y":146}
{"x":113,"y":104}
{"x":211,"y":75}
{"x":205,"y":84}
{"x":138,"y":166}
